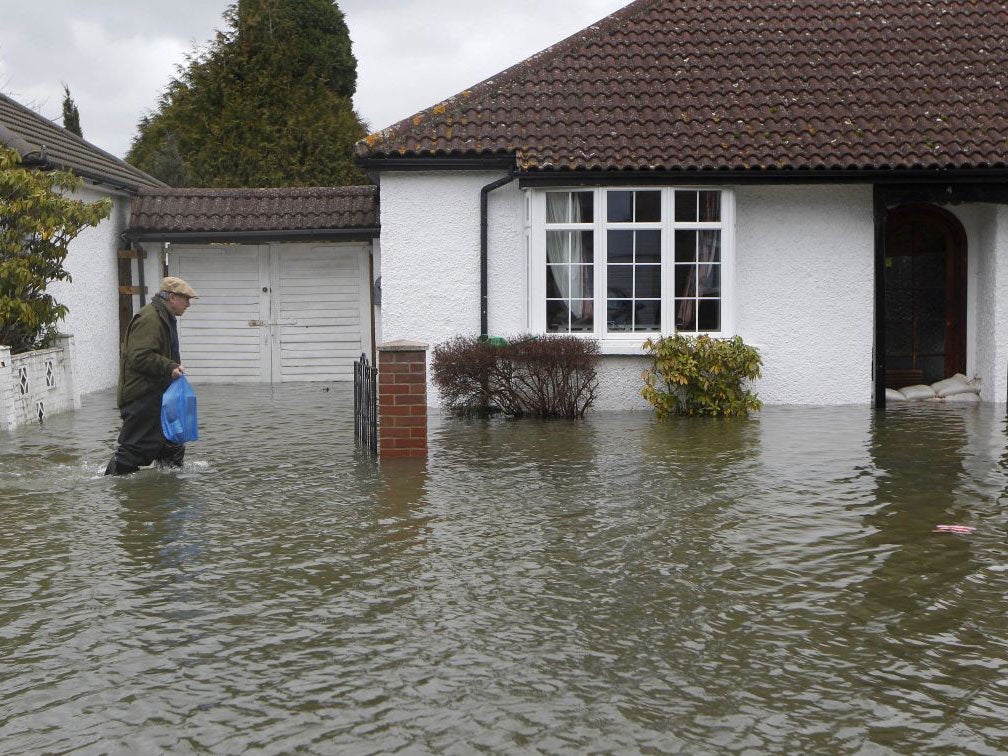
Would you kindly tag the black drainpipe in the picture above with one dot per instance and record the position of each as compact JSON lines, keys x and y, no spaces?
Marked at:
{"x":484,"y":318}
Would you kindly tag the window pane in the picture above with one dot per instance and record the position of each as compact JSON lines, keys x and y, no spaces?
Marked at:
{"x":583,"y":207}
{"x":582,"y":315}
{"x":685,"y":280}
{"x":709,"y":280}
{"x":931,"y":335}
{"x":557,"y":207}
{"x":899,"y":271}
{"x":619,"y":314}
{"x":685,"y":314}
{"x":685,"y":246}
{"x":709,"y":246}
{"x":899,"y":305}
{"x":899,"y":338}
{"x":931,"y":305}
{"x":685,"y":207}
{"x":620,"y":246}
{"x":648,"y":208}
{"x":557,"y":246}
{"x":710,"y":206}
{"x":647,"y":279}
{"x":557,"y":316}
{"x":647,"y":316}
{"x":582,"y":247}
{"x":648,"y":246}
{"x":709,"y":315}
{"x":619,"y":207}
{"x":557,"y":281}
{"x":582,"y":281}
{"x":620,"y":280}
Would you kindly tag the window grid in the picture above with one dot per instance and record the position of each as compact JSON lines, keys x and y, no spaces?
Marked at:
{"x":679,"y":287}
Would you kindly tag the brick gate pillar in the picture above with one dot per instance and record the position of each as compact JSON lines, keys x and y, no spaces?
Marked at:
{"x":402,"y":399}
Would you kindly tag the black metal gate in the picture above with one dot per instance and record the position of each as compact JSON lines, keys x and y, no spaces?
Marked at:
{"x":365,"y":379}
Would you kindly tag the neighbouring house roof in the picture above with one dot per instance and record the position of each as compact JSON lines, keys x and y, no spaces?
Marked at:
{"x":44,"y":144}
{"x":739,"y":85}
{"x":239,"y":213}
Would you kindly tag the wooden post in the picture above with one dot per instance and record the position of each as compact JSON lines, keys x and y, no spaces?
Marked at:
{"x":402,"y":399}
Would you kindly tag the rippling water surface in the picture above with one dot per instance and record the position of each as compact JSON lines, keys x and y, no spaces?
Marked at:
{"x":615,"y":585}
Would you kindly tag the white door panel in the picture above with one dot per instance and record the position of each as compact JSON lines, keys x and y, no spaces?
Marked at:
{"x":284,"y":312}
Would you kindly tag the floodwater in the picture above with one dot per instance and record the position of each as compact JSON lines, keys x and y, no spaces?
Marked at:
{"x":614,"y":585}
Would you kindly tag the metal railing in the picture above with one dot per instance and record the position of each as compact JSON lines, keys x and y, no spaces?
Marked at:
{"x":366,"y":404}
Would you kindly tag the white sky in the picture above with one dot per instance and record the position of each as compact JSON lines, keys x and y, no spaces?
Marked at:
{"x":117,"y":56}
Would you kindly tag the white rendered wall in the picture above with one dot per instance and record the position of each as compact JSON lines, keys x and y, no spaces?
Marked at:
{"x":93,"y":295}
{"x":804,"y":284}
{"x":987,"y":297}
{"x":804,"y":280}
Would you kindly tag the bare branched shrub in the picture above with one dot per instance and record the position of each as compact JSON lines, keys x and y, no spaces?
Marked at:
{"x":532,"y":376}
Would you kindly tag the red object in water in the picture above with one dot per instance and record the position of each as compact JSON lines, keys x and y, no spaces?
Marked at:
{"x":962,"y":529}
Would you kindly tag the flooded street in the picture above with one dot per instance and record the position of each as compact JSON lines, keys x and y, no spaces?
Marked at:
{"x":614,"y":585}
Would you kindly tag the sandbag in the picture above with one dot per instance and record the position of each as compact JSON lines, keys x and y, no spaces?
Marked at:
{"x":920,"y":391}
{"x":957,"y":384}
{"x":892,"y":395}
{"x":178,"y":412}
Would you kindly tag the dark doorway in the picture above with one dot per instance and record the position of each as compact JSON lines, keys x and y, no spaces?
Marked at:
{"x":925,"y":295}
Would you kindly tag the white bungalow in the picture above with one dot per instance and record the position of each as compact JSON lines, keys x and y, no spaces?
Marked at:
{"x":826,"y":180}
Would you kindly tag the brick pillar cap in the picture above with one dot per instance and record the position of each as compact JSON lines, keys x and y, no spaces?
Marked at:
{"x":403,"y":345}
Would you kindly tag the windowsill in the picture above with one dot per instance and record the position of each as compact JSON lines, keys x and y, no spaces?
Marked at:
{"x":635,"y":346}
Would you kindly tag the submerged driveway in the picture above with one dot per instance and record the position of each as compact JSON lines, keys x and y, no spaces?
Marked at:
{"x":617,"y":584}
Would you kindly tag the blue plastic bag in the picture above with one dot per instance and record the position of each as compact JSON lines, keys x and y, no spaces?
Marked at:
{"x":178,"y":412}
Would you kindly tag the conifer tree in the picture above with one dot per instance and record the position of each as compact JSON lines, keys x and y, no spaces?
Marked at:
{"x":71,"y":116}
{"x":267,"y":103}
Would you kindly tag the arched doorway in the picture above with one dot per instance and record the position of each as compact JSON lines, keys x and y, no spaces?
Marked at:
{"x":925,"y":295}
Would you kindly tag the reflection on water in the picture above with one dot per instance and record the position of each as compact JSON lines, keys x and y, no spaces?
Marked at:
{"x":614,"y":585}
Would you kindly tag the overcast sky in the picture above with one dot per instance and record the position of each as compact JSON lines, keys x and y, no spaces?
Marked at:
{"x":117,"y":56}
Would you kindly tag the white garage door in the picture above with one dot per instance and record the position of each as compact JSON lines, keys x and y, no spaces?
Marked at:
{"x":283,"y":312}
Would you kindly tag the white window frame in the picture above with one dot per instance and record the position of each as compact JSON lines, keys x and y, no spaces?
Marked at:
{"x":625,"y":342}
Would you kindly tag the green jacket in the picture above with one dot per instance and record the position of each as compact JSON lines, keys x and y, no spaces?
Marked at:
{"x":145,"y":358}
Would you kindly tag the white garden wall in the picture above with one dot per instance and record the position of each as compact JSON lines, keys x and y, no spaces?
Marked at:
{"x":36,"y":385}
{"x":93,"y":295}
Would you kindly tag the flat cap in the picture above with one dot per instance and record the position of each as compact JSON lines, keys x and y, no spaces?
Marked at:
{"x":178,"y":286}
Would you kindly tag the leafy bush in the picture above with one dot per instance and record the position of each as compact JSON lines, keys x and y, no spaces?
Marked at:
{"x":37,"y":223}
{"x":534,"y":376}
{"x":701,"y":376}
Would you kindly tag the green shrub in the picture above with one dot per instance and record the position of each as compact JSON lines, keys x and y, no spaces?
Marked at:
{"x":38,"y":220}
{"x":701,"y":376}
{"x":531,"y":376}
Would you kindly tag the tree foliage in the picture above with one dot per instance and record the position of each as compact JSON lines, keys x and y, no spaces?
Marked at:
{"x":266,"y":103}
{"x":701,"y":376}
{"x":38,"y":220}
{"x":71,"y":116}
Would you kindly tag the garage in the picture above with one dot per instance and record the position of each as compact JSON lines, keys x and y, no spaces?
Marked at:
{"x":285,"y":278}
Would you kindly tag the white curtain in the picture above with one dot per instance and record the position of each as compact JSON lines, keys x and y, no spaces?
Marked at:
{"x":571,"y":278}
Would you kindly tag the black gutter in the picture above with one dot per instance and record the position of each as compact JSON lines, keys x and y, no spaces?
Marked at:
{"x":316,"y":234}
{"x":484,"y":273}
{"x":908,"y":176}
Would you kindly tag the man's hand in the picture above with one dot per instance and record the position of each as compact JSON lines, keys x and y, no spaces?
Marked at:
{"x":177,"y":372}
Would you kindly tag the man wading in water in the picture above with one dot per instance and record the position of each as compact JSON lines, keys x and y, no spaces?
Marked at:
{"x":148,"y":363}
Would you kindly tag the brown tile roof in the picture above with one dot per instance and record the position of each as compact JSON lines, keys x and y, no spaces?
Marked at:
{"x":41,"y":142}
{"x":310,"y":209}
{"x":741,"y":85}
